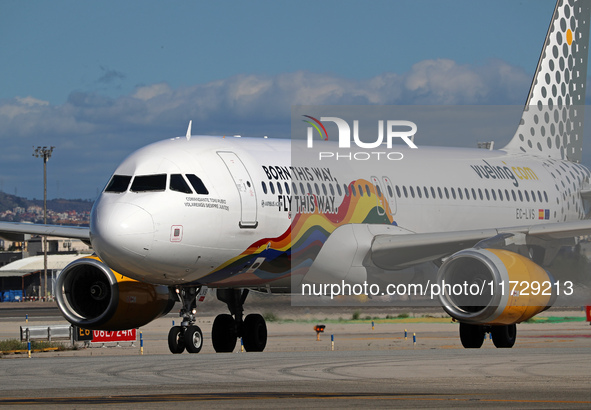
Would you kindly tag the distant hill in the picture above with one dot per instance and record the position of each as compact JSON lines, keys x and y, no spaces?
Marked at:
{"x":8,"y":202}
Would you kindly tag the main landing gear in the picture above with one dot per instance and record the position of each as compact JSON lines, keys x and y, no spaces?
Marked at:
{"x":472,"y":336}
{"x":187,"y":335}
{"x":227,"y":328}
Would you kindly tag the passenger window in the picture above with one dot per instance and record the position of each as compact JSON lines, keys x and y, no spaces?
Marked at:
{"x":340,"y":192}
{"x":367,"y":190}
{"x":197,"y":184}
{"x":178,"y":184}
{"x":412,"y":192}
{"x":118,"y":184}
{"x":149,"y":183}
{"x":397,"y":192}
{"x":264,"y":186}
{"x":279,"y":190}
{"x":272,"y":187}
{"x":287,"y":188}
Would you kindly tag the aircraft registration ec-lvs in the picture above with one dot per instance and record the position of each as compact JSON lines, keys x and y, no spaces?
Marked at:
{"x":187,"y":214}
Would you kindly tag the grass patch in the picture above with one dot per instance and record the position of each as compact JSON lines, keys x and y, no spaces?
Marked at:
{"x":555,"y":319}
{"x":270,"y":317}
{"x":15,"y":344}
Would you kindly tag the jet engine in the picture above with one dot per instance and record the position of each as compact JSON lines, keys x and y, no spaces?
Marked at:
{"x":494,"y":287}
{"x":92,"y":296}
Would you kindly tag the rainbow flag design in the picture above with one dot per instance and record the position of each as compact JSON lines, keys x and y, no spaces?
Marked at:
{"x":296,"y":249}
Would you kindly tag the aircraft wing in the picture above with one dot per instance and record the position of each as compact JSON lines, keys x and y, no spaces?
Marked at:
{"x":12,"y":230}
{"x":400,"y":251}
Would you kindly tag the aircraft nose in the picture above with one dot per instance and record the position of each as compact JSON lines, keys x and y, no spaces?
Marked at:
{"x":121,"y":230}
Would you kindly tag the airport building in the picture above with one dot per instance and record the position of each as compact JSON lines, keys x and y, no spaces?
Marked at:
{"x":22,"y":265}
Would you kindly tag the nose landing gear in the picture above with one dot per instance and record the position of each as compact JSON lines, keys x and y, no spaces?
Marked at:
{"x":187,"y":336}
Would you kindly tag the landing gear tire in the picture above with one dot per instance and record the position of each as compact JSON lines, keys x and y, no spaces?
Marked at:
{"x":224,"y":334}
{"x":471,"y":336}
{"x":193,"y":339}
{"x":254,"y":333}
{"x":504,"y":336}
{"x":176,"y":342}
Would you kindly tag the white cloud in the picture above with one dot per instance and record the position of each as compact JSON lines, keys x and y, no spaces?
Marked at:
{"x":148,"y":92}
{"x":94,"y":132}
{"x":30,"y":101}
{"x":154,"y":111}
{"x":21,"y":106}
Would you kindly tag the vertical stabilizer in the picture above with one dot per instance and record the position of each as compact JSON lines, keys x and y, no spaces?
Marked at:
{"x":553,"y":117}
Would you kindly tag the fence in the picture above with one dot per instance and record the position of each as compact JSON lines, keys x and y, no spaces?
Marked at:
{"x":49,"y":333}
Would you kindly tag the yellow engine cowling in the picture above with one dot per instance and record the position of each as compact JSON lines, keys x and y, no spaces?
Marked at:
{"x":92,"y":296}
{"x":509,"y":287}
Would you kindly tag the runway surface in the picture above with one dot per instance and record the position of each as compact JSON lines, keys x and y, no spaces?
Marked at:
{"x":523,"y":378}
{"x":549,"y":367}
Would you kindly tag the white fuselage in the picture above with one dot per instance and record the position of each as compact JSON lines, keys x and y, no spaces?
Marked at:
{"x":255,"y":210}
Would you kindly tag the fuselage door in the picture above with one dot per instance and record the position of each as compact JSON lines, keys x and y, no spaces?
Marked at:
{"x":245,"y":187}
{"x":379,"y":195}
{"x":389,"y":194}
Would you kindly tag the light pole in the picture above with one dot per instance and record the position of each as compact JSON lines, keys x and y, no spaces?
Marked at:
{"x":45,"y":153}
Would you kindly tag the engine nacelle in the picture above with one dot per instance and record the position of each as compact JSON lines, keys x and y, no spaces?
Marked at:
{"x":496,"y":287}
{"x":92,"y":296}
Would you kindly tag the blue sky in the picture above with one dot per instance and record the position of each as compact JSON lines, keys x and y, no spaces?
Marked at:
{"x":100,"y":79}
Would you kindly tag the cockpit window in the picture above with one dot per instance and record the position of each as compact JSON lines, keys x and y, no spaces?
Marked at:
{"x":177,"y":183}
{"x":197,"y":184}
{"x":118,"y":183}
{"x":143,"y":183}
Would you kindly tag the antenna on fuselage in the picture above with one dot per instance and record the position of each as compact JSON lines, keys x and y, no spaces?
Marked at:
{"x":189,"y":131}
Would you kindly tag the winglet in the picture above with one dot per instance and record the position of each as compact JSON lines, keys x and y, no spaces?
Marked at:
{"x":189,"y":131}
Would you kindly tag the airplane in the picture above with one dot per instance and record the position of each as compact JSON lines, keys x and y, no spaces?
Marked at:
{"x":234,"y":214}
